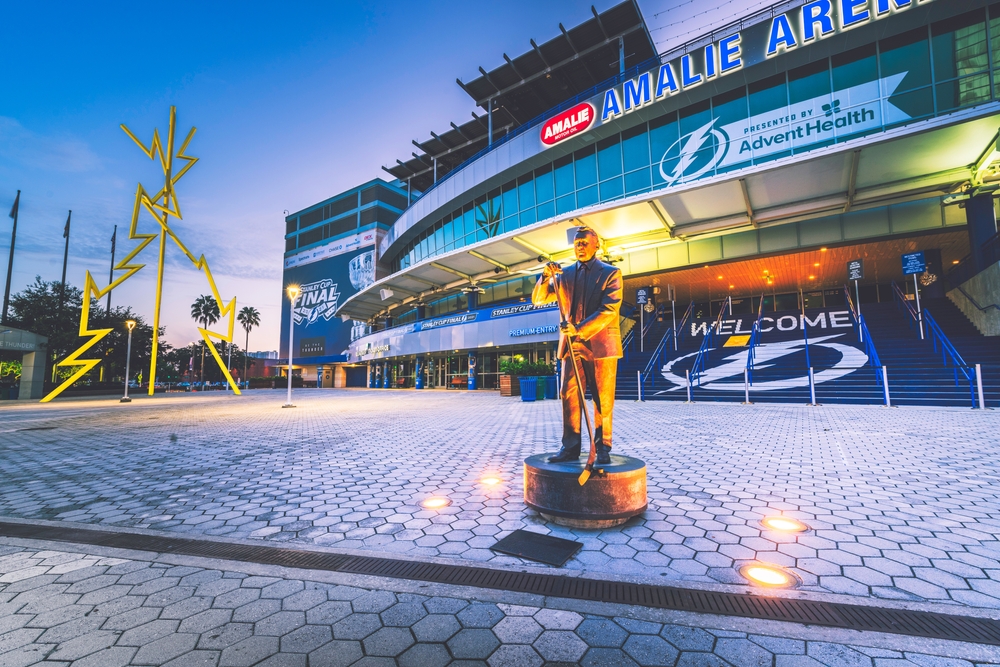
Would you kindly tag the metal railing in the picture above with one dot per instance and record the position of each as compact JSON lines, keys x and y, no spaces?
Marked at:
{"x":939,"y":341}
{"x":865,"y":338}
{"x":754,"y":341}
{"x":698,"y":369}
{"x":657,"y":359}
{"x":629,"y":341}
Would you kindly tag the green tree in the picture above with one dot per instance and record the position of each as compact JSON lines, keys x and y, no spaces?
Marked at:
{"x":205,"y":311}
{"x":39,"y":309}
{"x":249,"y":318}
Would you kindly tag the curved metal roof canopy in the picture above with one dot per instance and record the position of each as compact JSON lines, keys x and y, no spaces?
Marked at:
{"x":921,"y":160}
{"x":529,"y":85}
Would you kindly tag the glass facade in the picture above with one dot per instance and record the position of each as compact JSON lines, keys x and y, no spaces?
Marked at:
{"x":930,"y":71}
{"x":371,"y":204}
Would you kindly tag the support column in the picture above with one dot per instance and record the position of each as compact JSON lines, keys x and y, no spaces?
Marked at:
{"x":372,"y":372}
{"x":386,"y":380}
{"x":421,"y":313}
{"x":473,"y":300}
{"x":319,"y":377}
{"x":32,"y":375}
{"x":472,"y":370}
{"x":982,"y":219}
{"x":418,"y":381}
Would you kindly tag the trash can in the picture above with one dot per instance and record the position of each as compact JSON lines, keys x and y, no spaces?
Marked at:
{"x":551,"y":388}
{"x":529,"y":388}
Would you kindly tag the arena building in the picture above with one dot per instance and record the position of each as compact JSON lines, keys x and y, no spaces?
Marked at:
{"x":775,"y":193}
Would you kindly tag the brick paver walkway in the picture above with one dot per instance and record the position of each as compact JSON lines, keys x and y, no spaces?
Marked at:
{"x":902,"y":507}
{"x":901,"y":503}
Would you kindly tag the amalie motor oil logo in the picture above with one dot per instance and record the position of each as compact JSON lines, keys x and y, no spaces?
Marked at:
{"x":569,"y":123}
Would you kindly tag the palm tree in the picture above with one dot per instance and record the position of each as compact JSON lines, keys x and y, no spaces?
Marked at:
{"x":249,"y":318}
{"x":205,"y":311}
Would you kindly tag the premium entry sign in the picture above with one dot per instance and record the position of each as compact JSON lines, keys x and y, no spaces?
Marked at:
{"x":913,"y":262}
{"x":856,"y":269}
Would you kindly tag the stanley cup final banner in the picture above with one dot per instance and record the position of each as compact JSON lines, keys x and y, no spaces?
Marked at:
{"x":324,"y":285}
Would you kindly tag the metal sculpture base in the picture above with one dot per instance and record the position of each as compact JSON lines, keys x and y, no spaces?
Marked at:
{"x":614,"y":494}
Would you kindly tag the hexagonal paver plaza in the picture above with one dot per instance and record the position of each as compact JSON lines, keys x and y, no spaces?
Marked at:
{"x":902,"y":507}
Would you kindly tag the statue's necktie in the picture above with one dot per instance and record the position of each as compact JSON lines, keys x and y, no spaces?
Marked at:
{"x":579,"y":293}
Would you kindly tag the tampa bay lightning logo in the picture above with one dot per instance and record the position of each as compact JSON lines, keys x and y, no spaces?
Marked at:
{"x":726,"y":374}
{"x":695,"y":154}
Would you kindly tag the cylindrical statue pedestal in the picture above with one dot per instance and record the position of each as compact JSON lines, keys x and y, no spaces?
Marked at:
{"x":614,"y":494}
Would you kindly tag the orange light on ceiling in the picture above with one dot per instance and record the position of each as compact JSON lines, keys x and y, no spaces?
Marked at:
{"x":732,"y":286}
{"x":812,"y":277}
{"x":719,"y":277}
{"x":816,"y":264}
{"x":822,"y":249}
{"x":956,"y":261}
{"x":436,"y":502}
{"x":784,"y":524}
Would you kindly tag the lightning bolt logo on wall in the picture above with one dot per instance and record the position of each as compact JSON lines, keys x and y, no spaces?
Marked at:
{"x":696,"y":154}
{"x":318,"y":299}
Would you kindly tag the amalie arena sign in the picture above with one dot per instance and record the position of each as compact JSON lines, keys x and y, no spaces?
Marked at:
{"x":798,"y":27}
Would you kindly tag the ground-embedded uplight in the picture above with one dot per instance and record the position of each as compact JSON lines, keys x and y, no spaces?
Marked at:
{"x":436,"y":502}
{"x":490,"y":481}
{"x":784,"y":524}
{"x":767,"y":575}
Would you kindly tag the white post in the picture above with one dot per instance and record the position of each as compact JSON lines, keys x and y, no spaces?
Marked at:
{"x":673,"y":316}
{"x":746,"y":387}
{"x":229,"y":361}
{"x":638,"y":377}
{"x":642,"y":319}
{"x":920,"y":313}
{"x":885,"y":386}
{"x":857,"y":308}
{"x":812,"y":387}
{"x":292,"y":294}
{"x":687,"y":376}
{"x":128,"y":359}
{"x":979,"y":386}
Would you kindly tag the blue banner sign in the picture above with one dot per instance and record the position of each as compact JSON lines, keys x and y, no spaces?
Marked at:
{"x":913,"y":262}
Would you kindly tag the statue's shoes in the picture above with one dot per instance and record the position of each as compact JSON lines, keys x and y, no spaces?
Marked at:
{"x":603,"y":456}
{"x":565,"y":455}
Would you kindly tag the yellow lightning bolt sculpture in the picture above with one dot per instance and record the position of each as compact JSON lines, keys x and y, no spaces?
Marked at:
{"x":161,"y":207}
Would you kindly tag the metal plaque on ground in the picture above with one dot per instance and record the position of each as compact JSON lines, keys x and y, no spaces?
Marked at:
{"x":535,"y":546}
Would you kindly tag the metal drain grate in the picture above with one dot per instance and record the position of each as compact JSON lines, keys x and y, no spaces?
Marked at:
{"x":853,"y":617}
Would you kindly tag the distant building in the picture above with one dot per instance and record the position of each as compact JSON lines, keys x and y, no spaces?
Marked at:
{"x":330,"y":256}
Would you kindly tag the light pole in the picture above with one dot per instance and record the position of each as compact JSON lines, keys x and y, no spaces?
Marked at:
{"x":129,"y":324}
{"x":293,"y":294}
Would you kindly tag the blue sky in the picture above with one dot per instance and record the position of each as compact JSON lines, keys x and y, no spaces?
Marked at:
{"x":294,"y":102}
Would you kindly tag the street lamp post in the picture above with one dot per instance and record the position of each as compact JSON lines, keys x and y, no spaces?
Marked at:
{"x":129,"y":324}
{"x":293,"y":294}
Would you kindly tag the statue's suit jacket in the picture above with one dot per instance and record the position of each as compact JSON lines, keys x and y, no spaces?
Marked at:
{"x":599,"y":328}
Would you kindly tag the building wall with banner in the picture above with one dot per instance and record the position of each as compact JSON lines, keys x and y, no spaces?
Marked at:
{"x":324,"y":284}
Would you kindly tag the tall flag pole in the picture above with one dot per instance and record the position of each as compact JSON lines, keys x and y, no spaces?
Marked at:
{"x":10,"y":262}
{"x":111,"y":274}
{"x":62,"y":297}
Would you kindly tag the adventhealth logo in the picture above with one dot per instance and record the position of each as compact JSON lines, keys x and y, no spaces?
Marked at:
{"x":318,"y":299}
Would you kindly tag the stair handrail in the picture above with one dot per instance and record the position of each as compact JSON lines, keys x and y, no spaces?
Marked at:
{"x":866,"y":338}
{"x":903,"y":303}
{"x":754,"y":340}
{"x":855,"y":313}
{"x":938,"y":338}
{"x":656,"y":359}
{"x":699,"y":361}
